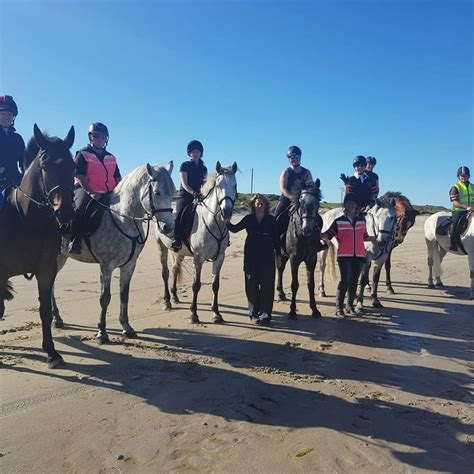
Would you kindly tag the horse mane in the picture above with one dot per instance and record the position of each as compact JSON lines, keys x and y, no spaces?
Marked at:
{"x":211,"y":179}
{"x":32,"y":149}
{"x":398,"y":197}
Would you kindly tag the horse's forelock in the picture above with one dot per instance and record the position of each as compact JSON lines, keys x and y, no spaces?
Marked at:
{"x":32,"y":150}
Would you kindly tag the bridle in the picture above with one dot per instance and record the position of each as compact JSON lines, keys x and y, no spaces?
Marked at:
{"x":154,"y":211}
{"x":297,"y":211}
{"x":378,"y":231}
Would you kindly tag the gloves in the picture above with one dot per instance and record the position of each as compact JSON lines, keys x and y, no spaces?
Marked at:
{"x":344,"y":178}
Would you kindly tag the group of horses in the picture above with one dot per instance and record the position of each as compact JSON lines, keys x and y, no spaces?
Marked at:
{"x":33,"y":244}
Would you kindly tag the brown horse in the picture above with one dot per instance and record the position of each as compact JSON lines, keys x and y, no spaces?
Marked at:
{"x":406,"y":216}
{"x":30,"y":239}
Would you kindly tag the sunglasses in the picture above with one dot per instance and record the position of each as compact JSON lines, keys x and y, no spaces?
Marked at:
{"x":294,"y":157}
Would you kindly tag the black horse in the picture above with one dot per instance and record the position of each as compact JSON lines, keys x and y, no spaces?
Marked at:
{"x":301,"y":244}
{"x":30,"y":239}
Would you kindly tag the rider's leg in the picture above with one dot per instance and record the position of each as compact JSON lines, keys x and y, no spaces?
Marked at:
{"x":343,"y":263}
{"x":455,"y":238}
{"x":354,"y":273}
{"x":81,"y":198}
{"x":181,"y":203}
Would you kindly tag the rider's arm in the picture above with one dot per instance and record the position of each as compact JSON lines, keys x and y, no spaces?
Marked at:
{"x":117,"y":175}
{"x":283,"y":183}
{"x":454,"y":196}
{"x":21,"y":152}
{"x":183,"y":176}
{"x":83,"y":182}
{"x":460,"y":204}
{"x":309,"y":178}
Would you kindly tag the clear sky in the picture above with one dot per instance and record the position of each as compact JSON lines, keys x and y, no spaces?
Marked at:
{"x":392,"y":79}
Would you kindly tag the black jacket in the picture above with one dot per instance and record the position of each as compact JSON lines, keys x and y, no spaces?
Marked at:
{"x":12,"y":148}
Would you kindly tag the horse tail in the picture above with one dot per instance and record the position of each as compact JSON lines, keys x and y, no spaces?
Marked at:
{"x":331,"y":262}
{"x":6,"y":293}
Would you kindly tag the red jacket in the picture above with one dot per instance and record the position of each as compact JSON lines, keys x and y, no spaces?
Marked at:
{"x":349,"y":235}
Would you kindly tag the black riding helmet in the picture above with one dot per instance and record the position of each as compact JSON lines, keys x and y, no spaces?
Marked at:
{"x":7,"y":104}
{"x":463,"y":170}
{"x":371,"y":160}
{"x":293,"y":151}
{"x":98,"y":127}
{"x":195,"y":145}
{"x":359,"y":160}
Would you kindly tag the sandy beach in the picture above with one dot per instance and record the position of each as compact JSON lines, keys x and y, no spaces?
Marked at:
{"x":389,"y":391}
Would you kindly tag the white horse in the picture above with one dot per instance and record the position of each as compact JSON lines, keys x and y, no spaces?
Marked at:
{"x":208,"y":240}
{"x":438,"y":246}
{"x":381,"y":223}
{"x":145,"y":194}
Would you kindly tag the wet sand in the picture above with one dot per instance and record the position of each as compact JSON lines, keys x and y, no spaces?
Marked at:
{"x":390,"y":391}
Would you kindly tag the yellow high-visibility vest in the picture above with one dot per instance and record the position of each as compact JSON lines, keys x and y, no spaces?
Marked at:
{"x":466,"y":195}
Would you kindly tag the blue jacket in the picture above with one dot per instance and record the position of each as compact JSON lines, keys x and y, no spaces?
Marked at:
{"x":12,"y":148}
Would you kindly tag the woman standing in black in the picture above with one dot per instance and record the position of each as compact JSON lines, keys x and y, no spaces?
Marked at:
{"x":261,"y":249}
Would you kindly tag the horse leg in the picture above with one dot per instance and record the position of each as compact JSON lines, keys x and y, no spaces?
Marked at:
{"x":442,"y":254}
{"x":57,"y":320}
{"x":216,"y":271}
{"x":310,"y":267}
{"x":388,"y":268}
{"x":176,"y":272}
{"x":281,"y":293}
{"x":105,"y":277}
{"x":322,"y":268}
{"x":376,"y":278}
{"x":430,"y":247}
{"x":45,"y":286}
{"x":471,"y":273}
{"x":194,"y":318}
{"x":126,"y":274}
{"x":294,"y":288}
{"x":165,"y":274}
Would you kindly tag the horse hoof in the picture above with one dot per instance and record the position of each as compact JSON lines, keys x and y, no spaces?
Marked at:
{"x":194,"y":319}
{"x":175,"y":300}
{"x":431,"y":286}
{"x":322,"y":294}
{"x":130,"y":334}
{"x":292,"y":316}
{"x":218,"y":320}
{"x":315,"y":314}
{"x":282,"y":297}
{"x":103,"y":338}
{"x":390,"y":291}
{"x":439,"y":284}
{"x":167,"y":306}
{"x":377,"y":304}
{"x":58,"y":323}
{"x":56,"y":362}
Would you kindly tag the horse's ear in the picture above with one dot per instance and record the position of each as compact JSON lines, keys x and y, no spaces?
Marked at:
{"x":377,"y":202}
{"x":149,"y":170}
{"x":317,"y":183}
{"x":39,"y":137}
{"x":69,"y":140}
{"x":393,"y":202}
{"x":234,"y":167}
{"x":169,"y":166}
{"x":218,"y":167}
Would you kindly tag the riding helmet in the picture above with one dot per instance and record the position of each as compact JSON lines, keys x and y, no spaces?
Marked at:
{"x":8,"y":104}
{"x":371,"y":160}
{"x":98,"y":127}
{"x":195,"y":145}
{"x":463,"y":170}
{"x":359,"y":160}
{"x":293,"y":150}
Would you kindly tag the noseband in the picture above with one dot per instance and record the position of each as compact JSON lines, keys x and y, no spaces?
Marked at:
{"x":153,"y":209}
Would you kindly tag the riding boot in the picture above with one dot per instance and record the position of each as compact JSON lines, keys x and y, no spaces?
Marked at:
{"x":75,"y":246}
{"x":339,"y":304}
{"x":177,"y":243}
{"x":454,"y":243}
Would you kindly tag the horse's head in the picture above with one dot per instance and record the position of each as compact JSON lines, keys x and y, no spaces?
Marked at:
{"x":308,"y":207}
{"x":405,"y":213}
{"x":225,"y":186}
{"x":55,"y":168}
{"x":383,"y":223}
{"x":157,"y":196}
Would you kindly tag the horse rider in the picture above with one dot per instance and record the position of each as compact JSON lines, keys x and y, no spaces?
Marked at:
{"x":292,"y":179}
{"x":97,"y":175}
{"x":462,"y":197}
{"x":12,"y":146}
{"x":360,"y":184}
{"x":192,"y":175}
{"x":371,"y":161}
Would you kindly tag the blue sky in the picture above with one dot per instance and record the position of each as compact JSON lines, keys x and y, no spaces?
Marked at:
{"x":392,"y":79}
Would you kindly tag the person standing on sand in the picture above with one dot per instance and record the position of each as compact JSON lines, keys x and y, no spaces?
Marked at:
{"x":261,"y":250}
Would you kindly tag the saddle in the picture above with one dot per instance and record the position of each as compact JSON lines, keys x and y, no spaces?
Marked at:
{"x":445,"y":227}
{"x":93,"y":212}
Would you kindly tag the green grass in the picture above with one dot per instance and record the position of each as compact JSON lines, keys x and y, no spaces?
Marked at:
{"x":242,"y":203}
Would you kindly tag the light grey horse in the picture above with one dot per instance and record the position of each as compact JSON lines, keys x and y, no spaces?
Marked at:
{"x":145,"y":194}
{"x":381,"y":222}
{"x":208,"y":240}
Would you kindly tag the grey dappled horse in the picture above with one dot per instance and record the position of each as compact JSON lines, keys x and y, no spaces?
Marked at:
{"x":145,"y":194}
{"x":208,"y":240}
{"x":29,"y":224}
{"x":381,"y":222}
{"x":302,"y":241}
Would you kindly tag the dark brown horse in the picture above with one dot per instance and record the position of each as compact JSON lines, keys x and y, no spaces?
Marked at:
{"x":406,"y":216}
{"x":30,"y":240}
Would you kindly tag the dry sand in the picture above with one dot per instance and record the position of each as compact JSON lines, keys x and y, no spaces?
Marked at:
{"x":389,"y":391}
